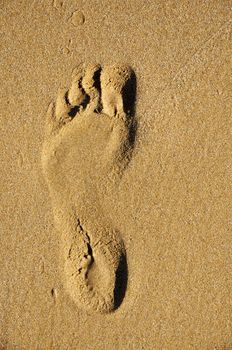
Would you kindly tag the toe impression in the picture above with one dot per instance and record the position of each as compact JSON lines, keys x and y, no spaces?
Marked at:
{"x":114,"y":81}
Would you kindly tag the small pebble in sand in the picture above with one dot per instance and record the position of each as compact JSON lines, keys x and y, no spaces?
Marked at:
{"x":65,"y":50}
{"x":77,"y":18}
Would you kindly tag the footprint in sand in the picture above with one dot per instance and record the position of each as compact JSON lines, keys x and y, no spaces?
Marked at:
{"x":89,"y":138}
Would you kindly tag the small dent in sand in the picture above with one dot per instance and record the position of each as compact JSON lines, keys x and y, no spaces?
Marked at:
{"x":58,"y":4}
{"x":54,"y":293}
{"x":20,"y":159}
{"x":77,"y":18}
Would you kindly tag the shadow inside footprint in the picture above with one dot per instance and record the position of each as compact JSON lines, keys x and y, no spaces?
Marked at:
{"x":121,"y":281}
{"x":129,"y":103}
{"x":129,"y":95}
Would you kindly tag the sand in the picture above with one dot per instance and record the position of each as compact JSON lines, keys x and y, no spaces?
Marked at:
{"x":116,"y":177}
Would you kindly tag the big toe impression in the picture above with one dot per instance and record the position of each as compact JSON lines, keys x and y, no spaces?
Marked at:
{"x":118,"y":90}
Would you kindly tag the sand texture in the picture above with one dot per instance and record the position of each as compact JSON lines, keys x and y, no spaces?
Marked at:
{"x":116,"y":175}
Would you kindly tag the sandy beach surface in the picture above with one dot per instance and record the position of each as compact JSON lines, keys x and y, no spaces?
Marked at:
{"x":115,"y":186}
